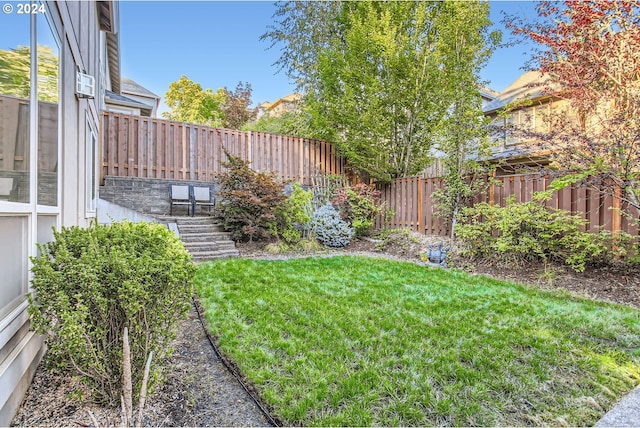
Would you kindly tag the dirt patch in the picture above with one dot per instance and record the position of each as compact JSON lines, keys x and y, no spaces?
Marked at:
{"x":198,"y":391}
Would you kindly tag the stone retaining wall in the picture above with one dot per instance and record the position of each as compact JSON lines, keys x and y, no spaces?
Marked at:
{"x":146,"y":195}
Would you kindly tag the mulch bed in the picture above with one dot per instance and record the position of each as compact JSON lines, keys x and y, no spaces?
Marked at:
{"x":198,"y":391}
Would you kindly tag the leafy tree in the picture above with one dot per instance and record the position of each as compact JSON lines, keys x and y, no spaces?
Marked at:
{"x":15,"y":73}
{"x":590,"y":53}
{"x":190,"y":103}
{"x":249,"y":200}
{"x":302,"y":42}
{"x":236,"y":106}
{"x":288,"y":123}
{"x":373,"y":75}
{"x":464,"y":144}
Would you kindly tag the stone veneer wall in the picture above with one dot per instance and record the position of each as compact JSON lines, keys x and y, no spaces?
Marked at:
{"x":147,"y":195}
{"x":47,"y":187}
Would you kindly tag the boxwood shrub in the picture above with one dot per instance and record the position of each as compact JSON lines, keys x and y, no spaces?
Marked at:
{"x":90,"y":283}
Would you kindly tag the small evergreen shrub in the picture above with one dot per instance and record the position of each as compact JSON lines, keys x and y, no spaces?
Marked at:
{"x":248,"y":200}
{"x":622,"y":247}
{"x":359,"y":206}
{"x":90,"y":283}
{"x":527,"y":231}
{"x":294,"y":214}
{"x":329,"y":228}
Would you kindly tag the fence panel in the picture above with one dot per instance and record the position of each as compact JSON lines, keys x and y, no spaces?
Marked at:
{"x":134,"y":146}
{"x":411,"y":200}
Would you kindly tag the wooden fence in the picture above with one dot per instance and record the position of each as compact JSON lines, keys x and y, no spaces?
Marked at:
{"x":143,"y":147}
{"x":411,"y":199}
{"x":14,"y":135}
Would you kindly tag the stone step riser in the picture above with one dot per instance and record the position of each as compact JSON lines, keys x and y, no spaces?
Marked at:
{"x":214,"y":256}
{"x":204,"y":238}
{"x":201,"y":254}
{"x":210,"y":246}
{"x":196,"y":222}
{"x":187,"y":220}
{"x":200,"y":229}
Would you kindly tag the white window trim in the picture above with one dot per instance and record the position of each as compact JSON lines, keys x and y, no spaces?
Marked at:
{"x":91,"y":168}
{"x":48,"y":209}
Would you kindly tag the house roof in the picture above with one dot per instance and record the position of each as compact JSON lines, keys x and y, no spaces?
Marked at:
{"x":130,"y":86}
{"x":489,"y":93}
{"x":528,"y":86}
{"x":108,"y":13}
{"x":120,"y":100}
{"x":291,"y":98}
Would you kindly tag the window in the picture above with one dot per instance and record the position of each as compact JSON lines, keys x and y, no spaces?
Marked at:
{"x":48,"y":86}
{"x":15,"y":100}
{"x":522,"y":121}
{"x":91,"y":169}
{"x":14,"y":243}
{"x":29,"y":147}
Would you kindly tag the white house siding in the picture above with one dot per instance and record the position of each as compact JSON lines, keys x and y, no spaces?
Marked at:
{"x":26,"y":221}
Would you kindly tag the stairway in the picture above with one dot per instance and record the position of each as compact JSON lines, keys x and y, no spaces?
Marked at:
{"x":204,"y":238}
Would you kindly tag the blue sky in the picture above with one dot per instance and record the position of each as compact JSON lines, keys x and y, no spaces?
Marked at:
{"x":216,"y":43}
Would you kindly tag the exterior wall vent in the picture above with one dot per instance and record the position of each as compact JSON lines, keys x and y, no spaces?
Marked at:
{"x":85,"y":85}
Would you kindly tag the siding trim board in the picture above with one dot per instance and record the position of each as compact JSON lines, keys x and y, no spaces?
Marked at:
{"x":76,"y":28}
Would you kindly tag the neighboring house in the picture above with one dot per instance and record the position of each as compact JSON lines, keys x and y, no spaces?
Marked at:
{"x":262,"y":109}
{"x":133,"y":99}
{"x":488,"y":95}
{"x":529,"y":107}
{"x":48,"y":159}
{"x":280,"y":106}
{"x":436,"y":169}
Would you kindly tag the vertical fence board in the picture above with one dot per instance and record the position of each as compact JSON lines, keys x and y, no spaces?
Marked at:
{"x":412,"y":201}
{"x":149,"y":147}
{"x":155,"y":148}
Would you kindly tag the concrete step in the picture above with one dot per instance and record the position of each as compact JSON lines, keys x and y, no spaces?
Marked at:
{"x":197,"y":247}
{"x":195,"y":228}
{"x":185,"y":220}
{"x":205,"y":237}
{"x":184,"y":217}
{"x":196,"y":220}
{"x":212,"y":255}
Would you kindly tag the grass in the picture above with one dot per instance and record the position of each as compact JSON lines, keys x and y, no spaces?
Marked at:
{"x":359,"y":341}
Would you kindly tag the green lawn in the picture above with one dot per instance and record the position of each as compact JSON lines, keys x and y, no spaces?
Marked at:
{"x":362,"y":341}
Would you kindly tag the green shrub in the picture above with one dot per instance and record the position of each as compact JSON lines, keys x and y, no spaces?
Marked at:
{"x":248,"y":200}
{"x":90,"y":283}
{"x":294,"y":214}
{"x":528,"y":231}
{"x":622,"y":247}
{"x":358,"y":205}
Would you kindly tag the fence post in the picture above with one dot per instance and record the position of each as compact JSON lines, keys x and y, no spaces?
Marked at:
{"x":250,"y":147}
{"x":616,"y":220}
{"x":193,"y":145}
{"x":492,"y":189}
{"x":301,"y":159}
{"x":420,"y":205}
